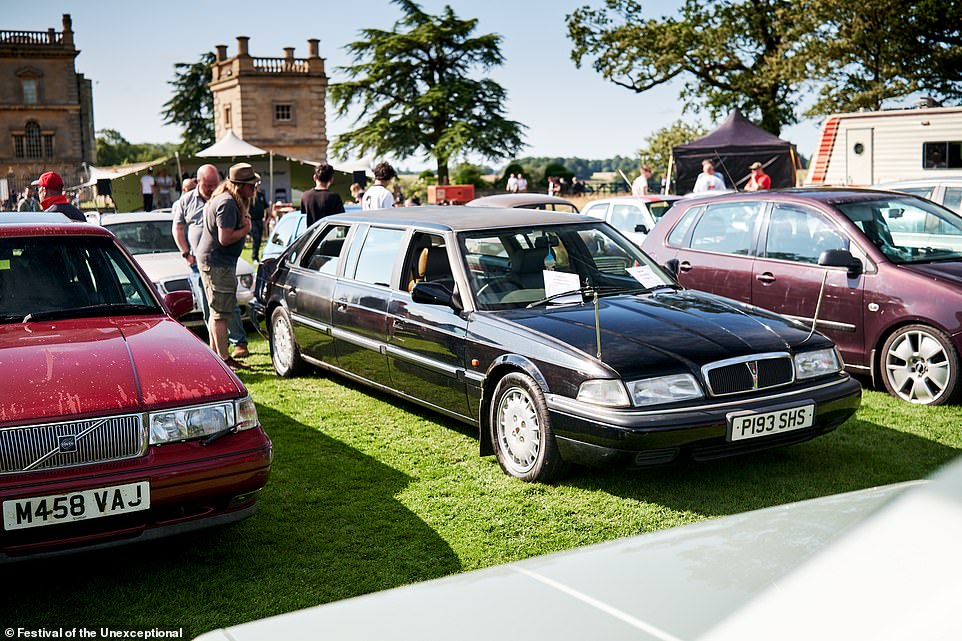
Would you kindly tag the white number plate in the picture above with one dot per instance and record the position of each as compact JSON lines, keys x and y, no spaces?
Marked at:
{"x":75,"y":506}
{"x":743,"y":425}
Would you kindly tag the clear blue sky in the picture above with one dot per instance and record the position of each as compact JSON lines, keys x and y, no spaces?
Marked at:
{"x":129,"y":48}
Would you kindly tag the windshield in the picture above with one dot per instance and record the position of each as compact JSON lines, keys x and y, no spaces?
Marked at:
{"x":908,"y":229}
{"x":68,"y":277}
{"x":148,"y":237}
{"x":513,"y":268}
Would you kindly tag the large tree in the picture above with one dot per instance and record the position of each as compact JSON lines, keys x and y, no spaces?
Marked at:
{"x":114,"y":149}
{"x":729,"y":54}
{"x":657,"y":149}
{"x":415,"y":95}
{"x":864,"y":53}
{"x":192,"y":105}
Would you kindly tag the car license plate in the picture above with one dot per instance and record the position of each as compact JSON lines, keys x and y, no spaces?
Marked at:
{"x":75,"y":506}
{"x":744,"y":425}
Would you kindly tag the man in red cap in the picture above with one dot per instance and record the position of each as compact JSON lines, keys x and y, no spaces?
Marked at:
{"x":50,"y":190}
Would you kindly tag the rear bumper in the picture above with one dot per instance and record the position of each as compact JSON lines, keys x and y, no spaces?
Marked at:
{"x":590,"y":435}
{"x":191,"y":487}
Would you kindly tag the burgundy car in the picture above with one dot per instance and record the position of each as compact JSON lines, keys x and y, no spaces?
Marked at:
{"x":880,"y":273}
{"x":116,"y":423}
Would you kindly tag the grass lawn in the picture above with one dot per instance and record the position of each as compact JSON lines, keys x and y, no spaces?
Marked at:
{"x":369,"y":493}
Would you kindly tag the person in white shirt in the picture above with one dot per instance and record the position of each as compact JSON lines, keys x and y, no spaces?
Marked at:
{"x":512,"y":185}
{"x":522,"y":183}
{"x":640,"y":185}
{"x":147,"y":188}
{"x":708,"y":180}
{"x":378,"y":195}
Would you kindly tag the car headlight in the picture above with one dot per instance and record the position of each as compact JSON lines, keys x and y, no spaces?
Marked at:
{"x":817,"y":363}
{"x":186,"y":423}
{"x":246,"y":280}
{"x":603,"y":392}
{"x":664,"y":389}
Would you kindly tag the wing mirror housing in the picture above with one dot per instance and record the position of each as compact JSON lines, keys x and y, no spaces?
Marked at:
{"x":641,"y":229}
{"x":436,"y":294}
{"x":179,"y":303}
{"x":672,"y":266}
{"x":841,"y":258}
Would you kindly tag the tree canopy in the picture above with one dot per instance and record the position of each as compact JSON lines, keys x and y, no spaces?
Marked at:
{"x":114,"y":149}
{"x":729,"y":54}
{"x":763,"y":56}
{"x":658,"y":145}
{"x":415,"y":94}
{"x":192,"y":105}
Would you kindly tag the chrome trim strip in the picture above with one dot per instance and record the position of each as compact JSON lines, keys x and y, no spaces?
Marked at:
{"x":357,"y":339}
{"x":579,"y":409}
{"x":310,"y":322}
{"x":417,"y":359}
{"x":842,"y":327}
{"x":476,"y":377}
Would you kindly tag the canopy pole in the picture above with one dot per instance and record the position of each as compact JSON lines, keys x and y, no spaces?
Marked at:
{"x":180,"y":171}
{"x":667,"y":186}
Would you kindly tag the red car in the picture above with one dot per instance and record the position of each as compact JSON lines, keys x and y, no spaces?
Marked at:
{"x":116,"y":423}
{"x":879,"y":273}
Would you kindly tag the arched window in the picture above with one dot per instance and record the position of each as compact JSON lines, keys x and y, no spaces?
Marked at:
{"x":33,"y":140}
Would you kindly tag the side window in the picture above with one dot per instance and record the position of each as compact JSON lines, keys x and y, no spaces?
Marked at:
{"x":426,"y":261}
{"x":921,"y":192}
{"x":325,"y":255}
{"x":677,"y":236}
{"x":596,"y":211}
{"x":953,"y":199}
{"x":727,"y":228}
{"x":626,"y":217}
{"x":376,"y":260}
{"x":799,"y":235}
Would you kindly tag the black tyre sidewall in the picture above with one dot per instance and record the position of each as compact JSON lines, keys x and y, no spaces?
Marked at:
{"x":549,"y":464}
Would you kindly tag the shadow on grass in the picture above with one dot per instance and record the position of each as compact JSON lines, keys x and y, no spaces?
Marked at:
{"x":328,"y":527}
{"x":857,"y":455}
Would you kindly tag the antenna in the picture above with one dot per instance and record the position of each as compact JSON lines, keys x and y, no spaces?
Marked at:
{"x":818,"y":305}
{"x":597,"y":324}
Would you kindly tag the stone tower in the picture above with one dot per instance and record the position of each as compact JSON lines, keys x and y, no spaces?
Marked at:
{"x":46,"y":107}
{"x":275,"y":103}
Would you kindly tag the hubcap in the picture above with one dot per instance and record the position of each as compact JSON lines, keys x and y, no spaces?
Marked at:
{"x":283,"y":344}
{"x":918,"y":367}
{"x":519,"y":431}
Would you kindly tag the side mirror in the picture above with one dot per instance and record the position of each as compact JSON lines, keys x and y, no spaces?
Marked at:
{"x":641,"y":229}
{"x":179,"y":303}
{"x":435,"y":294}
{"x":672,"y":266}
{"x":841,"y":258}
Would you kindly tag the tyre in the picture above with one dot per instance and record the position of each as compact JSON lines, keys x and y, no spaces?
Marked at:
{"x":284,"y":353}
{"x":920,"y":365}
{"x":521,"y":431}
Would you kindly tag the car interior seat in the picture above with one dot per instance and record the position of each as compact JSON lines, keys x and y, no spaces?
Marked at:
{"x":527,"y":267}
{"x":434,"y":267}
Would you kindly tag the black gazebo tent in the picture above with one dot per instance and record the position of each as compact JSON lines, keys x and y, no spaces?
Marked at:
{"x":733,"y":146}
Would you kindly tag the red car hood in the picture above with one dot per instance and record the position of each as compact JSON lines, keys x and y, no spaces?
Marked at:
{"x":68,"y":369}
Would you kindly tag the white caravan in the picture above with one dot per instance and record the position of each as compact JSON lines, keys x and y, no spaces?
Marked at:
{"x":871,"y":147}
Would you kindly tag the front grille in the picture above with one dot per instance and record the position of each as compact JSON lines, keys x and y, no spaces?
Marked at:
{"x":760,"y":371}
{"x":177,"y":285}
{"x":57,"y":445}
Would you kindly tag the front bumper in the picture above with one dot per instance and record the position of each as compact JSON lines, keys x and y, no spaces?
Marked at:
{"x":592,"y":435}
{"x":191,"y":487}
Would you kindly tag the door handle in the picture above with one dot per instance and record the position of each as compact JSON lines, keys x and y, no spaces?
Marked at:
{"x":766,"y":277}
{"x":292,"y":294}
{"x":341,"y":308}
{"x":685,"y":266}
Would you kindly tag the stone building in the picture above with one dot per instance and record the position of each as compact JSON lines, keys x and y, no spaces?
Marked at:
{"x":46,"y":107}
{"x":274,"y":103}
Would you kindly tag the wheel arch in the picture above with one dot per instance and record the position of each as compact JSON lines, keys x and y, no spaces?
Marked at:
{"x":499,"y":368}
{"x":876,"y":349}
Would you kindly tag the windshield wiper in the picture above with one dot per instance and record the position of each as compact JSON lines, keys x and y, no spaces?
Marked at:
{"x":589,"y":291}
{"x":91,"y":310}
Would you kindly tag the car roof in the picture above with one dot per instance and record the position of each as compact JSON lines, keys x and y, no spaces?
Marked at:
{"x":459,"y":218}
{"x":136,"y":217}
{"x":44,"y":224}
{"x":517,"y":200}
{"x":827,"y":195}
{"x":647,"y":198}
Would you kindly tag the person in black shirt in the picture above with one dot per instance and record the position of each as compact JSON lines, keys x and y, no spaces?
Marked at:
{"x":320,"y":201}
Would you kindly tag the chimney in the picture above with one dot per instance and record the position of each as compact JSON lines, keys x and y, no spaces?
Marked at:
{"x":289,"y":54}
{"x":221,"y":53}
{"x":312,"y":48}
{"x":67,"y":30}
{"x":242,"y":45}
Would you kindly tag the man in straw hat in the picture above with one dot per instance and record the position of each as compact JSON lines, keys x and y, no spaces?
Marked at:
{"x":227,"y":222}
